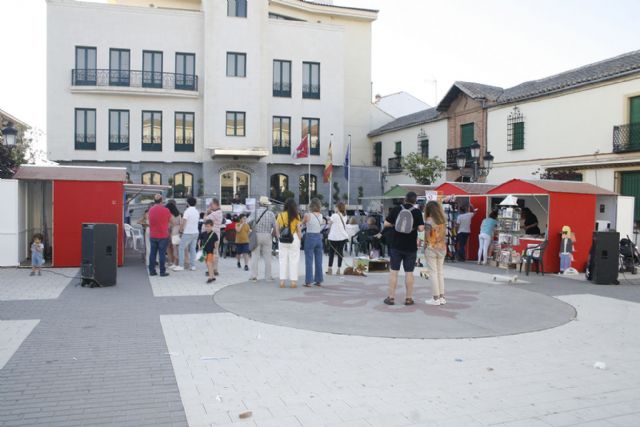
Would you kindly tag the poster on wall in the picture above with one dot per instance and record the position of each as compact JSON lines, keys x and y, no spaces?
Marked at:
{"x":431,"y":196}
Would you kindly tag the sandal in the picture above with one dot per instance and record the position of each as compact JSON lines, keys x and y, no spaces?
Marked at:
{"x":307,"y":285}
{"x":389,"y":301}
{"x":408,"y":301}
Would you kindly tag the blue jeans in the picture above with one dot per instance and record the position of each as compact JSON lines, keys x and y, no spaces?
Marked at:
{"x":313,"y":252}
{"x":157,"y":247}
{"x":462,"y":246}
{"x":190,"y":241}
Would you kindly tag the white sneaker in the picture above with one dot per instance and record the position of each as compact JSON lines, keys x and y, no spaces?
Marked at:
{"x":432,"y":301}
{"x":177,"y":268}
{"x":442,"y":301}
{"x":193,"y":268}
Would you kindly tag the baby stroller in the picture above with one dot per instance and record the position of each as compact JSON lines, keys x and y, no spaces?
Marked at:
{"x":629,"y":256}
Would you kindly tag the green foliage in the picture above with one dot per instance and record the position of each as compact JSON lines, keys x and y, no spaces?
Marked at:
{"x":12,"y":157}
{"x":287,"y":194}
{"x":200,"y":187}
{"x":180,"y":190}
{"x":423,"y":170}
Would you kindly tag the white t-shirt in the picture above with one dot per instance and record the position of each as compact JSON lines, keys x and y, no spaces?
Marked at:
{"x":338,"y":230}
{"x":191,"y":216}
{"x":464,"y":222}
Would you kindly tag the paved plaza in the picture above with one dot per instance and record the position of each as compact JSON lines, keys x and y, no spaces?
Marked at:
{"x":175,"y":351}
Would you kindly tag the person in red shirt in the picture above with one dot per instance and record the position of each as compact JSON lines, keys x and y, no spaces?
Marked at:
{"x":159,"y":219}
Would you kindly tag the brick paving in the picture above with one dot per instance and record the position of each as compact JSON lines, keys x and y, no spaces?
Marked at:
{"x":163,"y":353}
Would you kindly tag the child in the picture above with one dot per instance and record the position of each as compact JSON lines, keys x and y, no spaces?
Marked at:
{"x":37,"y":254}
{"x":242,"y":241}
{"x":207,"y":243}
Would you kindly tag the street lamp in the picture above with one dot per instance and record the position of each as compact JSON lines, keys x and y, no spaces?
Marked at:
{"x":9,"y":135}
{"x":476,"y":170}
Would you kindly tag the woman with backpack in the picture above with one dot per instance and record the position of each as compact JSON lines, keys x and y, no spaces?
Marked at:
{"x":436,"y":249}
{"x":314,"y":222}
{"x":338,"y":236}
{"x":288,"y":231}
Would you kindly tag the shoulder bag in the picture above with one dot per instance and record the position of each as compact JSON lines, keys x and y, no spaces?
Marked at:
{"x":253,"y":235}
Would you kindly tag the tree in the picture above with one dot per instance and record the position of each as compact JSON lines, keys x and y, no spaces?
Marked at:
{"x":423,"y":170}
{"x":22,"y":152}
{"x":200,"y":187}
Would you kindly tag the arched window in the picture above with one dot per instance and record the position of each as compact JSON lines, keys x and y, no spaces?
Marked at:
{"x":152,"y":178}
{"x":182,"y":184}
{"x":304,"y":192}
{"x":279,"y":184}
{"x":232,"y":183}
{"x":237,"y":8}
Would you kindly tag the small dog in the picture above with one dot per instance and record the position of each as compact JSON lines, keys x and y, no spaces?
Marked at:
{"x":351,"y":271}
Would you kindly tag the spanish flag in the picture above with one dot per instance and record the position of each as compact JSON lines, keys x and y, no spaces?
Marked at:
{"x":328,"y":167}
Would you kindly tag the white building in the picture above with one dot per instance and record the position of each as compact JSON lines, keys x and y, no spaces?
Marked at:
{"x":424,"y":132}
{"x":400,"y":104}
{"x":213,"y":95}
{"x":582,"y":124}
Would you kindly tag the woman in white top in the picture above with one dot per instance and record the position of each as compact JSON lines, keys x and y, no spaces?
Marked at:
{"x":338,"y":236}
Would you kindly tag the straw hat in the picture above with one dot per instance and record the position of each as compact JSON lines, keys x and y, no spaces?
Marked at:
{"x":264,"y":201}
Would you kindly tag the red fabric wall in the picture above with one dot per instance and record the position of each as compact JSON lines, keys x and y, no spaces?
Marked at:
{"x":578,"y":211}
{"x":78,"y":202}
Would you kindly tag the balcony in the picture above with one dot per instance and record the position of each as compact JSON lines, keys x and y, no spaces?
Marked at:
{"x":626,"y":138}
{"x":282,"y":90}
{"x":310,"y":91}
{"x":105,"y":80}
{"x":452,"y":153}
{"x":394,"y":165}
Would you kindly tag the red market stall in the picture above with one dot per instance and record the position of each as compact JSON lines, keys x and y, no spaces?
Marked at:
{"x":556,"y":204}
{"x":68,"y":196}
{"x":469,"y":193}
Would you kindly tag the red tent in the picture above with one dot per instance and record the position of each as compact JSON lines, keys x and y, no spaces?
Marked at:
{"x":79,"y":195}
{"x":567,"y":203}
{"x":476,"y":195}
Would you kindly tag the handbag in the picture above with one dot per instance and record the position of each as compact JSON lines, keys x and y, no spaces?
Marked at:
{"x":253,"y":235}
{"x":200,"y":254}
{"x":286,"y":236}
{"x":175,"y":239}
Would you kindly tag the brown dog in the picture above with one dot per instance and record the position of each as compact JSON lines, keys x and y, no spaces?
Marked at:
{"x":351,"y":271}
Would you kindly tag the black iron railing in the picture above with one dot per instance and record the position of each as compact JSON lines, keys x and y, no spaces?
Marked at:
{"x":133,"y":78}
{"x":452,"y":154}
{"x":282,"y":89}
{"x":394,"y":165}
{"x":311,"y":91}
{"x":626,"y":138}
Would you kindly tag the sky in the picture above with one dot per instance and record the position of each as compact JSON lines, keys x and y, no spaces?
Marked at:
{"x":419,"y":46}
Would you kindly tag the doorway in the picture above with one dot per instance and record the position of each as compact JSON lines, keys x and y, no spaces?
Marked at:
{"x":234,"y":182}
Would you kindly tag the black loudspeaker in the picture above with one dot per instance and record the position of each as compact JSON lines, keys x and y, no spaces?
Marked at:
{"x":604,"y":257}
{"x":99,"y":254}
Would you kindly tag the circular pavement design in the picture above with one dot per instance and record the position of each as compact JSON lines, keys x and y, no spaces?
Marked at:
{"x":353,"y":306}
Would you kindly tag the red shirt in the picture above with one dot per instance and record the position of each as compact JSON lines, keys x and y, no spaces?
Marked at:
{"x":159,"y":218}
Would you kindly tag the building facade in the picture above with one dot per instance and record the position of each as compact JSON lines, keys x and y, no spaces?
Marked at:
{"x":210,"y":96}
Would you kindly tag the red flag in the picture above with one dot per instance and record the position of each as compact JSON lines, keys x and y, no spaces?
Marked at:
{"x":328,"y":167}
{"x":303,"y":149}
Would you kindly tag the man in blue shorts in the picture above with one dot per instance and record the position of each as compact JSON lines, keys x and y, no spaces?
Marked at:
{"x":404,"y":221}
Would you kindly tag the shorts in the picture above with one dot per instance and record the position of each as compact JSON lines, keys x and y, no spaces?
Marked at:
{"x":242,"y":248}
{"x":208,"y":258}
{"x":408,"y":260}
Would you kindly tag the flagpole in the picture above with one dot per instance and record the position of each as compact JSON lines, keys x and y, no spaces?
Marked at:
{"x":309,"y":175}
{"x":330,"y":182}
{"x":349,"y":174}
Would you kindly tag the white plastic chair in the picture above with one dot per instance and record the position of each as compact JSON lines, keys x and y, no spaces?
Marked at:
{"x":136,"y":236}
{"x":128,"y":234}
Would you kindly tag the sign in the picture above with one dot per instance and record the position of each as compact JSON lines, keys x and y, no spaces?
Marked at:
{"x":236,"y":167}
{"x":431,"y":196}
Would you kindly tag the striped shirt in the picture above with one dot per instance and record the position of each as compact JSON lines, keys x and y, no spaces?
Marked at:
{"x":266,"y":224}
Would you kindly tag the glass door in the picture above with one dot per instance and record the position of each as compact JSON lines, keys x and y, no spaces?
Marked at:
{"x":151,"y":69}
{"x":232,"y":183}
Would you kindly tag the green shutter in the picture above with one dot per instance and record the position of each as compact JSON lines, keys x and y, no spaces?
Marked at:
{"x":398,"y":150}
{"x":377,"y":154}
{"x":518,"y":136}
{"x":634,"y":122}
{"x":466,"y":135}
{"x":630,"y":186}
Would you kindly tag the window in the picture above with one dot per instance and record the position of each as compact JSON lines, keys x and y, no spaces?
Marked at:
{"x":186,"y":71}
{"x":85,"y":129}
{"x":282,"y":78}
{"x":304,"y":193}
{"x":119,"y":67}
{"x":377,"y":153}
{"x":231,"y":183}
{"x":515,"y":130}
{"x":281,"y":135}
{"x":151,"y":68}
{"x":311,"y":80}
{"x":279,"y":186}
{"x":398,"y":150}
{"x":466,"y":135}
{"x":312,"y":126}
{"x":152,"y":131}
{"x":85,"y":72}
{"x":182,"y":184}
{"x":184,"y":139}
{"x":424,"y":148}
{"x":236,"y":64}
{"x":152,"y":178}
{"x":119,"y":130}
{"x":235,"y":123}
{"x":237,"y":8}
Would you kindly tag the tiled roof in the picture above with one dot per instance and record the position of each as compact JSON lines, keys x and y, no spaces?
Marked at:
{"x":471,"y":89}
{"x":627,"y":63}
{"x":424,"y":116}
